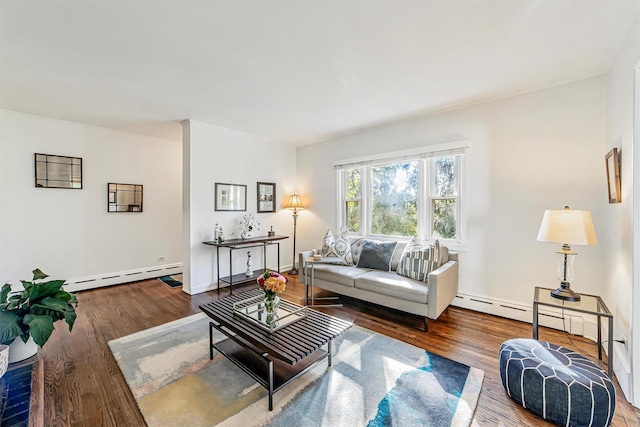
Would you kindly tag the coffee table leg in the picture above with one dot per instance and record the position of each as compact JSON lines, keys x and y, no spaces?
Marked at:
{"x":329,"y":350}
{"x":210,"y":340}
{"x":271,"y":385}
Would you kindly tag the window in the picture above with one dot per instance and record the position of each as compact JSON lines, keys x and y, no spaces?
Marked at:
{"x":444,"y":197}
{"x":394,"y":199}
{"x":414,"y":195}
{"x":352,"y":200}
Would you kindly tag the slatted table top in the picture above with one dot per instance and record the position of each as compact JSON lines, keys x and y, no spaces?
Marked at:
{"x":290,"y":344}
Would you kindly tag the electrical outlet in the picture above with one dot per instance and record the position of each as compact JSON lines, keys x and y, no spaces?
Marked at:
{"x":160,"y":258}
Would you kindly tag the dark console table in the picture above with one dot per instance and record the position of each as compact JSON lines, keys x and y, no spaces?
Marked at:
{"x":235,"y":244}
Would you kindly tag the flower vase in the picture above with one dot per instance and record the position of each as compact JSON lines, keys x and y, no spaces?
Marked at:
{"x":271,"y":303}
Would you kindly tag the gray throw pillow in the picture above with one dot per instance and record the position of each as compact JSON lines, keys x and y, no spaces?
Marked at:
{"x":377,"y":255}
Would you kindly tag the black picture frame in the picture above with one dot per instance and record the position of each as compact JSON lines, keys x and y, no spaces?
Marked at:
{"x":231,"y":197}
{"x":124,"y":197}
{"x":55,"y":171}
{"x":266,"y":197}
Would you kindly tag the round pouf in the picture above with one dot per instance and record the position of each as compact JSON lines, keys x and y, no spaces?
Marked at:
{"x":556,"y":383}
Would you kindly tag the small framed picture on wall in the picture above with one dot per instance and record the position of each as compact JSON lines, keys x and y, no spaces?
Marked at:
{"x":230,"y":197}
{"x":266,"y":197}
{"x":612,"y":160}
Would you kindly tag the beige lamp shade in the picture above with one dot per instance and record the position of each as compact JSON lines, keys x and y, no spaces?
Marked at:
{"x":294,"y":203}
{"x":567,"y":226}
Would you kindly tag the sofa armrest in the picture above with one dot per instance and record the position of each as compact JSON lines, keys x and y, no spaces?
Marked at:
{"x":302,"y":256}
{"x":443,"y":288}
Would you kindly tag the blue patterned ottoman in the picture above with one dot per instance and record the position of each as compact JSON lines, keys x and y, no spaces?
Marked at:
{"x":556,"y":383}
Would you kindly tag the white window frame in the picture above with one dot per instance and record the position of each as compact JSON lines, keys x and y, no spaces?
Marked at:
{"x":425,"y":156}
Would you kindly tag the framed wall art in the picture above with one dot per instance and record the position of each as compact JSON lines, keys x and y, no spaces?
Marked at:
{"x":612,"y":160}
{"x":53,"y":171}
{"x":231,"y":197}
{"x":124,"y":197}
{"x":266,"y":197}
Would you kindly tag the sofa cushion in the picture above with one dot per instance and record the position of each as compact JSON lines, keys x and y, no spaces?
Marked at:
{"x":389,"y":283}
{"x":337,"y":247}
{"x":444,"y":255}
{"x":342,"y":274}
{"x":376,"y":255}
{"x":414,"y":245}
{"x":418,"y":263}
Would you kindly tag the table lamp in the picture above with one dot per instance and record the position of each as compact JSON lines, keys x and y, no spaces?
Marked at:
{"x":295,"y":205}
{"x":569,"y":227}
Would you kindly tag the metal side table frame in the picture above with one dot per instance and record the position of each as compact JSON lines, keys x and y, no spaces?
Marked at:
{"x":310,"y":263}
{"x":589,"y":304}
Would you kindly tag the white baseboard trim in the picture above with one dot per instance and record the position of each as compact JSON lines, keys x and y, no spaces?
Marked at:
{"x":118,"y":278}
{"x":622,"y":369}
{"x":568,"y":321}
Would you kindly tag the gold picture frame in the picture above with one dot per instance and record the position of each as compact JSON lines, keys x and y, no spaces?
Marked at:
{"x":612,"y":160}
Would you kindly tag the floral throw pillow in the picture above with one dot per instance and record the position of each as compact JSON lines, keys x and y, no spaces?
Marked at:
{"x":337,"y":247}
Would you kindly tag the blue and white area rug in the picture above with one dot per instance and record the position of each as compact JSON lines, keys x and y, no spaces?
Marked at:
{"x":374,"y":381}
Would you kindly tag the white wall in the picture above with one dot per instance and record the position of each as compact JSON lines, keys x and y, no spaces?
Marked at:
{"x":528,"y":153}
{"x":617,"y":238}
{"x":68,"y":233}
{"x":215,"y":154}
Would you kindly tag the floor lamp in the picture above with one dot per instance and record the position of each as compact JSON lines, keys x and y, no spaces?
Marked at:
{"x":295,"y":205}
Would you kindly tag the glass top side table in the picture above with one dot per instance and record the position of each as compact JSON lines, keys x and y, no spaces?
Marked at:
{"x":310,"y":263}
{"x":588,"y":304}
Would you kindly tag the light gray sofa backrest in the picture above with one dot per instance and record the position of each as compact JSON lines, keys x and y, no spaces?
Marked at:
{"x":356,"y":249}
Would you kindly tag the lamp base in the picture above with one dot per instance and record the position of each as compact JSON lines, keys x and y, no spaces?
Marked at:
{"x":565,"y":293}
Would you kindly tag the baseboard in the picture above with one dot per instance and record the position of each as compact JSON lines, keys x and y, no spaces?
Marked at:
{"x":622,"y":369}
{"x":108,"y":279}
{"x":563,"y":320}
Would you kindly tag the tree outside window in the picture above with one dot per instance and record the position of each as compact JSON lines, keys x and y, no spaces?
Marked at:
{"x":352,"y":200}
{"x":394,"y":199}
{"x":444,"y":198}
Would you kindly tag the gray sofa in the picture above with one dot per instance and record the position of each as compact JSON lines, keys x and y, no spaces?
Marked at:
{"x":387,"y":288}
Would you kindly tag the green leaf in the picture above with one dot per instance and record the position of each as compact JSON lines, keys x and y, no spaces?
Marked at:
{"x":5,"y":292}
{"x":40,"y":327}
{"x":9,"y":327}
{"x":39,"y":275}
{"x":44,"y":290}
{"x":54,"y":304}
{"x":64,"y":295}
{"x":27,"y":285}
{"x":70,"y":318}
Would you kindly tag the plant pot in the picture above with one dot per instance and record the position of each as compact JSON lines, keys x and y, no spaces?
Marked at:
{"x":18,"y":350}
{"x":4,"y":359}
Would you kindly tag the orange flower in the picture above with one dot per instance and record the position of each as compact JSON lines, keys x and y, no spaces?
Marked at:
{"x":272,"y":282}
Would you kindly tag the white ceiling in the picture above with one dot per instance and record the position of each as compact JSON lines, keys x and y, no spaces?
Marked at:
{"x":293,"y":71}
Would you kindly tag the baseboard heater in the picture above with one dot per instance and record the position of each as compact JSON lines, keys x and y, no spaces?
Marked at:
{"x":91,"y":282}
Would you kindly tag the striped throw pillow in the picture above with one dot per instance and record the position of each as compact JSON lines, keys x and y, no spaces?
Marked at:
{"x":417,"y":263}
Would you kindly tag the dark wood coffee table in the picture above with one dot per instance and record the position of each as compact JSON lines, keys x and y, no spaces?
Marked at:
{"x":272,"y":359}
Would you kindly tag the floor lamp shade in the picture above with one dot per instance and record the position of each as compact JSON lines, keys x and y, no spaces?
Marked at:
{"x":295,"y":205}
{"x":568,"y":227}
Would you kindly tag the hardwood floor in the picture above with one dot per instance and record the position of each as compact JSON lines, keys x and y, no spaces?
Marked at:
{"x":83,"y":385}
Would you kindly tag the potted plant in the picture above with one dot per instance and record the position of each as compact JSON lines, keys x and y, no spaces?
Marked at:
{"x":31,"y":313}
